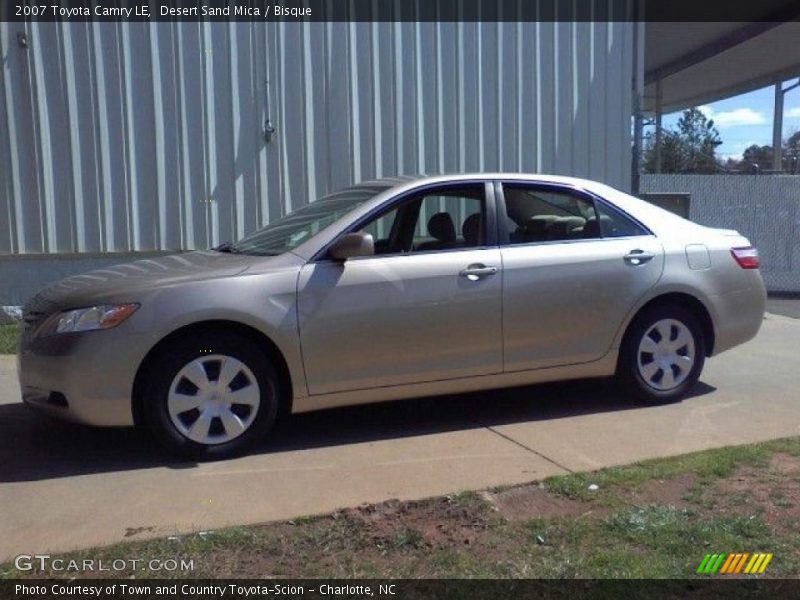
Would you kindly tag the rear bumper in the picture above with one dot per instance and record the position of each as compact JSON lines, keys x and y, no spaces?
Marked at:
{"x":738,"y":315}
{"x":85,"y":378}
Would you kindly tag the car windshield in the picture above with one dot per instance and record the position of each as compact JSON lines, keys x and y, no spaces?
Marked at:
{"x":299,"y":226}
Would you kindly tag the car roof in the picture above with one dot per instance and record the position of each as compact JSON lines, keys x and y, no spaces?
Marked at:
{"x":418,"y":178}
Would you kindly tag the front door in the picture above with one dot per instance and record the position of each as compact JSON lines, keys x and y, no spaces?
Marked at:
{"x":426,"y":307}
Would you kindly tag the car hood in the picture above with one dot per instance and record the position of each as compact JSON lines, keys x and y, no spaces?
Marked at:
{"x":126,"y":279}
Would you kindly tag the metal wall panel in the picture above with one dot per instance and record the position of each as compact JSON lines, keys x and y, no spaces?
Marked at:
{"x":149,"y":136}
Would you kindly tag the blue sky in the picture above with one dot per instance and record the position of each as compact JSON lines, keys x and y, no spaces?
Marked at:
{"x":747,"y":119}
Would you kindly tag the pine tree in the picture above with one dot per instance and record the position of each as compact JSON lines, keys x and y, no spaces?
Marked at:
{"x":690,"y":148}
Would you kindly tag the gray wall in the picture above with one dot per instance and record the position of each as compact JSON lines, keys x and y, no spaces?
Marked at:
{"x":765,"y":208}
{"x":148,"y":136}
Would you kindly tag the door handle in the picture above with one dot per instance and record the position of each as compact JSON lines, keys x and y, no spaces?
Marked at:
{"x":476,"y":271}
{"x":638,"y":257}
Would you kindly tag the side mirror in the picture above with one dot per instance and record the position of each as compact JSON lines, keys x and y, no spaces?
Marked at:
{"x":352,"y":244}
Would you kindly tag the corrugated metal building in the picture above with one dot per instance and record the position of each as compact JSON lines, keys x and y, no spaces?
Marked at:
{"x":144,"y":137}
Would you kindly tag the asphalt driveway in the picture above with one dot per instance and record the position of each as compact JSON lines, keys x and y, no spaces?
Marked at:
{"x":65,"y":486}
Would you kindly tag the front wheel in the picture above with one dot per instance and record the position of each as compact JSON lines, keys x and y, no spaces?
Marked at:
{"x":662,"y":355}
{"x":211,"y":396}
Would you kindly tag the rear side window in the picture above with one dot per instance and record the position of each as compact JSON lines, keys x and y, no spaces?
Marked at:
{"x":544,"y":215}
{"x":615,"y":224}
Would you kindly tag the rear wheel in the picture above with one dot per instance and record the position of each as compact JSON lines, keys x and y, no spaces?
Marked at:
{"x":662,"y":354}
{"x":211,"y":396}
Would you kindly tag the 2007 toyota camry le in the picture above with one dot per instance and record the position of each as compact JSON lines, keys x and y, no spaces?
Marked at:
{"x":395,"y":288}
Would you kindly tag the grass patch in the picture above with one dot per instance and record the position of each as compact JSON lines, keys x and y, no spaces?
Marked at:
{"x":8,"y":338}
{"x":469,"y":535}
{"x":707,"y":465}
{"x":408,"y":538}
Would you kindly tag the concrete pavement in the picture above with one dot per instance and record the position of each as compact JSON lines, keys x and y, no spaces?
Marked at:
{"x":787,"y":305}
{"x":64,"y":486}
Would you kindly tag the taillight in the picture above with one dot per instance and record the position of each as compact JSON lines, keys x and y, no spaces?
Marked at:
{"x":746,"y":257}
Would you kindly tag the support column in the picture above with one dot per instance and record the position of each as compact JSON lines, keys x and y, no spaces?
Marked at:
{"x":637,"y":89}
{"x":777,"y":124}
{"x":658,"y":126}
{"x":777,"y":128}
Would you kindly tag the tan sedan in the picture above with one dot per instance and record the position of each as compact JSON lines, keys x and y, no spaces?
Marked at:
{"x":390,"y":289}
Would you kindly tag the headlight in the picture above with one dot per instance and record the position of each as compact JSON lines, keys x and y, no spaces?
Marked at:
{"x":91,"y":318}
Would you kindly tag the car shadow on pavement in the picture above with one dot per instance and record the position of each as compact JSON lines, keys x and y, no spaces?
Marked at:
{"x":34,"y":448}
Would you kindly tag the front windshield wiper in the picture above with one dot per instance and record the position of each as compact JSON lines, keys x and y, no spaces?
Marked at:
{"x":228,"y":248}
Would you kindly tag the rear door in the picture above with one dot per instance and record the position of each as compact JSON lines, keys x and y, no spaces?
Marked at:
{"x":573,"y":266}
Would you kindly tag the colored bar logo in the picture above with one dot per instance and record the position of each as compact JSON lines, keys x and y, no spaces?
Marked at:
{"x":734,"y":563}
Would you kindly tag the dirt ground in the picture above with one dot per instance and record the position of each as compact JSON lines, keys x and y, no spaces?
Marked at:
{"x":773,"y":494}
{"x":654,"y":519}
{"x":472,"y":522}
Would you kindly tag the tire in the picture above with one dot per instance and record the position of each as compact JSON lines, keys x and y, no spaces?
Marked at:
{"x":210,"y":396}
{"x":662,"y":354}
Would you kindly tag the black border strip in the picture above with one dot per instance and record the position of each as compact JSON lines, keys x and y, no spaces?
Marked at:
{"x":401,"y":10}
{"x":403,"y":589}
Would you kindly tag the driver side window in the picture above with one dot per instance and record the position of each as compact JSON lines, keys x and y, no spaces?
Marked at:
{"x":444,"y":219}
{"x":381,"y":231}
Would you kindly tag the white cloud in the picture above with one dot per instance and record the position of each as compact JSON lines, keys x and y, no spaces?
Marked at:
{"x":793,"y":112}
{"x":735,"y":150}
{"x":742,"y":146}
{"x":734,"y":118}
{"x":707,"y":111}
{"x":740,"y":116}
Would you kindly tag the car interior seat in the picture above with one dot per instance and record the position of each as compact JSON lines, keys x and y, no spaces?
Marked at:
{"x":561,"y":228}
{"x":471,"y":229}
{"x":442,"y":229}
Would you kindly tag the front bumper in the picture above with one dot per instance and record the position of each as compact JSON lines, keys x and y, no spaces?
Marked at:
{"x":82,"y":377}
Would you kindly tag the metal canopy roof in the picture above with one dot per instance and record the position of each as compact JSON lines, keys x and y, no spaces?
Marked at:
{"x":697,"y":63}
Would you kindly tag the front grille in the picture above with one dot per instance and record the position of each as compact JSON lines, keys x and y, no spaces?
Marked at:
{"x":33,"y":318}
{"x":36,"y":311}
{"x":31,"y":321}
{"x":58,"y":399}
